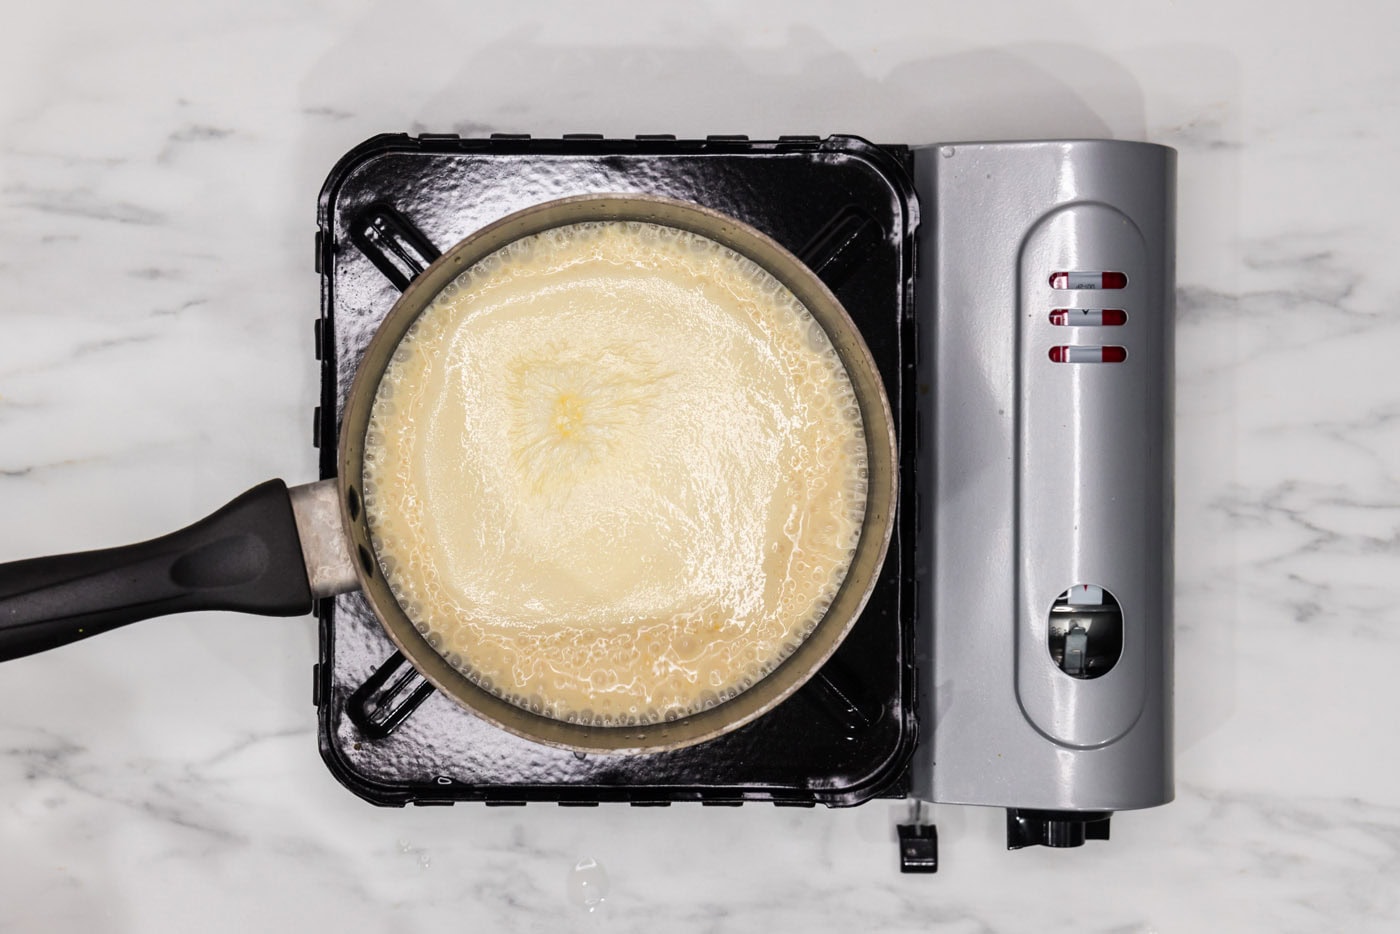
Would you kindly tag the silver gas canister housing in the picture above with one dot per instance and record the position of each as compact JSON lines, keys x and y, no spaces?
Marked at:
{"x":1044,"y":478}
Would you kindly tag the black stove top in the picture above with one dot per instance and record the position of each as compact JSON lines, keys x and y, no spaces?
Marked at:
{"x":849,"y":210}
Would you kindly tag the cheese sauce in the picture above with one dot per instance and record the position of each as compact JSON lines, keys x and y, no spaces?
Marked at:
{"x":615,"y":473}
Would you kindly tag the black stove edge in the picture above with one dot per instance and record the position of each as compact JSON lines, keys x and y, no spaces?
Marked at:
{"x":890,"y":782}
{"x":893,"y":157}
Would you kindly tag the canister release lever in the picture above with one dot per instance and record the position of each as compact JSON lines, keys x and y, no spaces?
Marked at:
{"x":1086,"y":631}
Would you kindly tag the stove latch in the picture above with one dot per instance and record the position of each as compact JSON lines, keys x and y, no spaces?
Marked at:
{"x":918,"y":843}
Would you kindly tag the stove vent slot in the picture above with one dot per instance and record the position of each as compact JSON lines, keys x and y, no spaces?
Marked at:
{"x":391,"y":242}
{"x":387,"y":697}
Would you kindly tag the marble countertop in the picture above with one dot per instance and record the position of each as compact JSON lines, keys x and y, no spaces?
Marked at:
{"x":159,"y":166}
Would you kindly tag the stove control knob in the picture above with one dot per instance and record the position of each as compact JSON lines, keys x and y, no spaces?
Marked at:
{"x":1058,"y":829}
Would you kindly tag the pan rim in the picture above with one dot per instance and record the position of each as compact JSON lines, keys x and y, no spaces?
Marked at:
{"x":871,"y":550}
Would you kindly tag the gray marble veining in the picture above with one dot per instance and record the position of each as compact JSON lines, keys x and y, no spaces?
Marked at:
{"x":159,"y":166}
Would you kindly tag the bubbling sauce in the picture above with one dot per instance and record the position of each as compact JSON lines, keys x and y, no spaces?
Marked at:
{"x":615,"y":473}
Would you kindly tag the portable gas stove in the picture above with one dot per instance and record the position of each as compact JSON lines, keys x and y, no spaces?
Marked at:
{"x":1016,"y":649}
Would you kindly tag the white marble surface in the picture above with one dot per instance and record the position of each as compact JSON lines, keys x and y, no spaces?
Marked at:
{"x":159,"y":164}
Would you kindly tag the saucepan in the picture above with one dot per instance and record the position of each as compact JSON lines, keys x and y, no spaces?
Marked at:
{"x":274,"y":549}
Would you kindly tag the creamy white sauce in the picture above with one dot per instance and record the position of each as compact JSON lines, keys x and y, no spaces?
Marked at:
{"x":615,"y":472}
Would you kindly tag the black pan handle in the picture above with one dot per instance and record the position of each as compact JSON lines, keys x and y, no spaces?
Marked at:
{"x":246,"y":557}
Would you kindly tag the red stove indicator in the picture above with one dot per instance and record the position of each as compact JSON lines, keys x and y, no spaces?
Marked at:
{"x":1082,"y":354}
{"x":1088,"y":280}
{"x":1088,"y":317}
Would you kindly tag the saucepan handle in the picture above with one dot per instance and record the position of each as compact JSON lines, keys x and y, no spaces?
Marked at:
{"x":246,"y":557}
